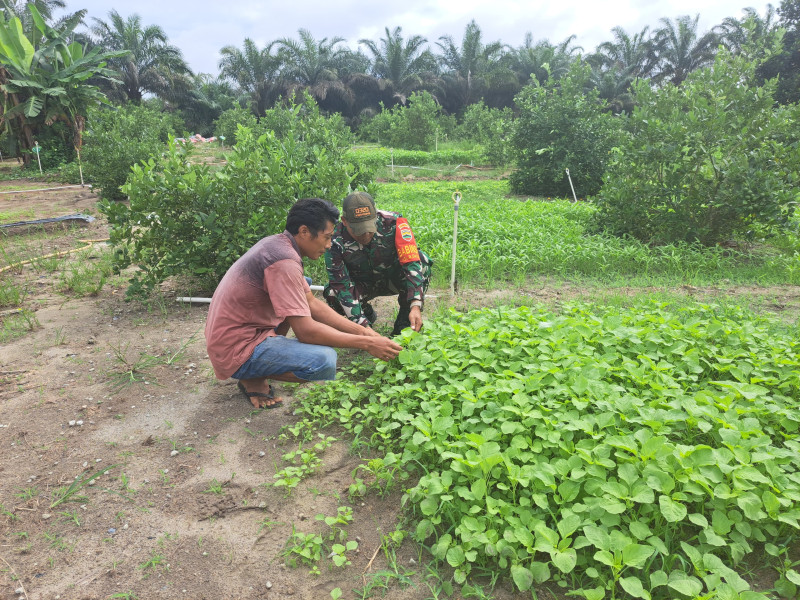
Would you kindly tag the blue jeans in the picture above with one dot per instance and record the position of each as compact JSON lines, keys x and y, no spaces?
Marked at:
{"x":278,"y":354}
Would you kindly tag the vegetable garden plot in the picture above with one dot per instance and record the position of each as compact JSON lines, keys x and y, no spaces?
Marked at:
{"x":651,"y":452}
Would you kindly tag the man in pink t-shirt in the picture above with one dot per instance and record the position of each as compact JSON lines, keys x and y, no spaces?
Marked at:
{"x":264,"y":294}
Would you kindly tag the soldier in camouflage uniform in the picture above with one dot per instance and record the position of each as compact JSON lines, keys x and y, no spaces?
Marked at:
{"x":373,"y":253}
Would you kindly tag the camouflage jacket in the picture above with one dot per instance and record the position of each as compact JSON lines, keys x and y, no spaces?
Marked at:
{"x":355,"y":270}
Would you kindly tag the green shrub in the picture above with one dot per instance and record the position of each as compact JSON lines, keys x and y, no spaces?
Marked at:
{"x":56,"y":146}
{"x":704,"y":161}
{"x":228,"y":122}
{"x":560,"y":127}
{"x":418,"y":126}
{"x":185,"y":220}
{"x":116,"y":139}
{"x":491,"y":128}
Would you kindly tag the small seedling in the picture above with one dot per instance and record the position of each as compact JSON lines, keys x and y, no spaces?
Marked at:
{"x":28,"y":493}
{"x":154,"y":561}
{"x":71,"y":517}
{"x":215,"y":487}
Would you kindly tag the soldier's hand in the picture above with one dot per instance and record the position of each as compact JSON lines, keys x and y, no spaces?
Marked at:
{"x":415,"y":316}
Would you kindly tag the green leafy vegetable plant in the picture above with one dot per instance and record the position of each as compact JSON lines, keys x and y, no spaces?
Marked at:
{"x":639,"y":452}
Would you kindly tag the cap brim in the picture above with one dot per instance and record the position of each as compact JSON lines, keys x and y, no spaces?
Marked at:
{"x":362,"y":227}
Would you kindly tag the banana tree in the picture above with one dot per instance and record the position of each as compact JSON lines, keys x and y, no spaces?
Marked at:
{"x":48,"y":83}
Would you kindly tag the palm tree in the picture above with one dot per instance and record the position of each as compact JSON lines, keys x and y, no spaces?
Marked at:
{"x":204,"y":101}
{"x":314,"y":66}
{"x":151,"y":66}
{"x":751,"y":31}
{"x":470,"y":68}
{"x":543,"y":60}
{"x":632,"y":55}
{"x":679,"y":50}
{"x":255,"y":71}
{"x":401,"y":63}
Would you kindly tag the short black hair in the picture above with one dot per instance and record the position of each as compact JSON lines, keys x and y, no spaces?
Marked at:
{"x":314,"y":213}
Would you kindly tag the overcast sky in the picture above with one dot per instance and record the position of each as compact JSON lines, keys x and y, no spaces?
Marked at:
{"x":201,"y":27}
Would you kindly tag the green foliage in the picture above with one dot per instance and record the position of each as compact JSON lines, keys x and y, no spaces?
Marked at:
{"x":503,"y":239}
{"x":562,"y":127}
{"x":116,"y":140}
{"x":376,"y":158}
{"x":185,"y":220}
{"x":228,"y":123}
{"x":704,"y":161}
{"x":643,"y":451}
{"x":417,"y":126}
{"x":491,"y":128}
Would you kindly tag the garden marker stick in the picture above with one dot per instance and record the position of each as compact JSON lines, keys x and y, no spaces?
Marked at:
{"x":572,"y":186}
{"x":36,"y":149}
{"x":456,"y":200}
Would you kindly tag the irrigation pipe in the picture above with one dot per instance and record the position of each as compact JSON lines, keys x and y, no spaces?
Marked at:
{"x":456,"y":201}
{"x":201,"y":300}
{"x":89,"y":244}
{"x":572,"y":186}
{"x":63,"y":187}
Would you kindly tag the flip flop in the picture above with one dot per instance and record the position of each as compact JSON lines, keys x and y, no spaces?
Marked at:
{"x":269,"y":396}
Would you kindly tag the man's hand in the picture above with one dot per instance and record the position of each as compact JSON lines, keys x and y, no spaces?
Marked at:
{"x":384,"y":348}
{"x":369,"y":331}
{"x":415,"y":316}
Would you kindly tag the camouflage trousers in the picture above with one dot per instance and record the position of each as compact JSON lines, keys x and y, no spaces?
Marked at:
{"x":366,"y":291}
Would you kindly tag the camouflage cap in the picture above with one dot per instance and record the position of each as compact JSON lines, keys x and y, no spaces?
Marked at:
{"x":359,"y":211}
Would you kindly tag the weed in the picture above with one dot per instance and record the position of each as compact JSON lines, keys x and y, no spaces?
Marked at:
{"x":344,"y":516}
{"x":60,"y":337}
{"x":17,"y":325}
{"x":69,"y":493}
{"x":27,"y":493}
{"x":71,"y":517}
{"x":215,"y":487}
{"x":153,"y":561}
{"x":129,"y":371}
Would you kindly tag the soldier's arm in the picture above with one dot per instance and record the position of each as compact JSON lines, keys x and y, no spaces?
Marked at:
{"x":341,"y":284}
{"x":410,"y":261}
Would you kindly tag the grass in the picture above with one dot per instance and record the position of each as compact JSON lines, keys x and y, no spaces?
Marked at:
{"x":71,"y":492}
{"x":504,"y":240}
{"x":17,"y":325}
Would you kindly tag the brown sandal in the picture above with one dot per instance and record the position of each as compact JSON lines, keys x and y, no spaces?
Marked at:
{"x":269,"y":396}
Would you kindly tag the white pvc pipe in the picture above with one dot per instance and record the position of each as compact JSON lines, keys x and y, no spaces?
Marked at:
{"x":199,"y":300}
{"x":456,"y":200}
{"x":574,"y":197}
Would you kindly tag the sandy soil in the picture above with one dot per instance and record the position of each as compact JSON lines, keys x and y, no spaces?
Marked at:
{"x":182,"y":506}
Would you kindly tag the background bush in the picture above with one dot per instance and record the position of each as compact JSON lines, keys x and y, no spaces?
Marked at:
{"x":117,"y":139}
{"x":705,"y":161}
{"x":559,"y":127}
{"x":418,"y":126}
{"x":185,"y":220}
{"x":228,"y":122}
{"x":491,"y":128}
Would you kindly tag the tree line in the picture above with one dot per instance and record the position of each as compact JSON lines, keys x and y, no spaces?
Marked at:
{"x":131,"y":62}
